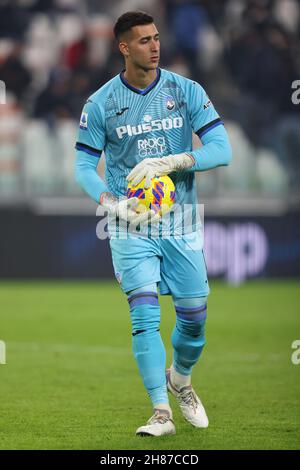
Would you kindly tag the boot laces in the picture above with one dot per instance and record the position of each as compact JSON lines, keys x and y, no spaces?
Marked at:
{"x":189,"y":398}
{"x":159,"y":418}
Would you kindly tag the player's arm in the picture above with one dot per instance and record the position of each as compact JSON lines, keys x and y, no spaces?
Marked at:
{"x":90,"y":139}
{"x":216,"y":151}
{"x":206,"y":123}
{"x":87,"y":177}
{"x":89,"y":144}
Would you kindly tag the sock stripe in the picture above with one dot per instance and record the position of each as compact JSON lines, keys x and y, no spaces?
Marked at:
{"x":142,"y":294}
{"x":191,"y":310}
{"x":149,"y":298}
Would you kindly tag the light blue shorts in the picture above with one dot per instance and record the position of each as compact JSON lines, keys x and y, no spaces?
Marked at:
{"x":177,"y":264}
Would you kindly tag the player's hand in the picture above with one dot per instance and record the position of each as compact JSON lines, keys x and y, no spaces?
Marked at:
{"x":151,"y":167}
{"x":126,"y":209}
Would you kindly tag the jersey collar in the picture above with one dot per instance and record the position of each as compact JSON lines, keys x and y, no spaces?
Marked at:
{"x":137,"y":90}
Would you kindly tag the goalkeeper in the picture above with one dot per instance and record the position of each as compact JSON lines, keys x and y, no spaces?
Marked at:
{"x":143,"y":119}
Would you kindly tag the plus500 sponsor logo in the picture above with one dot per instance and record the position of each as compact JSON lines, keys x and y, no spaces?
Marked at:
{"x":157,"y":125}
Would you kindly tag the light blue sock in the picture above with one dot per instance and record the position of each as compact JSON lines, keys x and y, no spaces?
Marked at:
{"x":188,"y":338}
{"x":148,"y":348}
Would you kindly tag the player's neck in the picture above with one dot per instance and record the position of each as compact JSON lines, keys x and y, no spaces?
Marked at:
{"x":139,"y":78}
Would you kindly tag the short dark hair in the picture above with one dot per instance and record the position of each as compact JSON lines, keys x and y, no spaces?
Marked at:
{"x":130,"y":19}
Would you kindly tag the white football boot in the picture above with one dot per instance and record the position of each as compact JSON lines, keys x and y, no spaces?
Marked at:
{"x":190,"y":404}
{"x":159,"y":424}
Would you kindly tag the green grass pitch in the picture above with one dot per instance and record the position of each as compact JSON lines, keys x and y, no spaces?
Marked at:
{"x":71,"y":382}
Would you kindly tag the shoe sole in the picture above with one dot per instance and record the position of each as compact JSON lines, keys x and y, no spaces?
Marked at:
{"x":147,"y":434}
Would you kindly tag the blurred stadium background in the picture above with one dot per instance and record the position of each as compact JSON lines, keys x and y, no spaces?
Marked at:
{"x":53,"y":54}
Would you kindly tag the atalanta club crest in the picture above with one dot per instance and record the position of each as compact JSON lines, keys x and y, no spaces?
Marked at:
{"x":170,"y":103}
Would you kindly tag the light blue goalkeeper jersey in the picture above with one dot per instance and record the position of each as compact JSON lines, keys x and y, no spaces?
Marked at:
{"x":130,"y":124}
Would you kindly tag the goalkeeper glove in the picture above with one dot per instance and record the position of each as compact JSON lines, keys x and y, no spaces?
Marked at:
{"x":151,"y":167}
{"x":126,"y":209}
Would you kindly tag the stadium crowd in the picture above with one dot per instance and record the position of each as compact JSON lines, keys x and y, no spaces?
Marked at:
{"x":55,"y":53}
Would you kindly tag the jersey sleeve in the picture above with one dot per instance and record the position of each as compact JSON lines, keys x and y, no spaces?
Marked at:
{"x":91,"y":132}
{"x":203,"y":115}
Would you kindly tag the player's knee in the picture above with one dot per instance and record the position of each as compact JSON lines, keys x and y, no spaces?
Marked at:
{"x":191,"y":329}
{"x":191,"y":317}
{"x":144,"y":309}
{"x":190,"y":303}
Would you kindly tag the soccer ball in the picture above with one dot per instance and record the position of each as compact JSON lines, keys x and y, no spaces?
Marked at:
{"x":159,"y":197}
